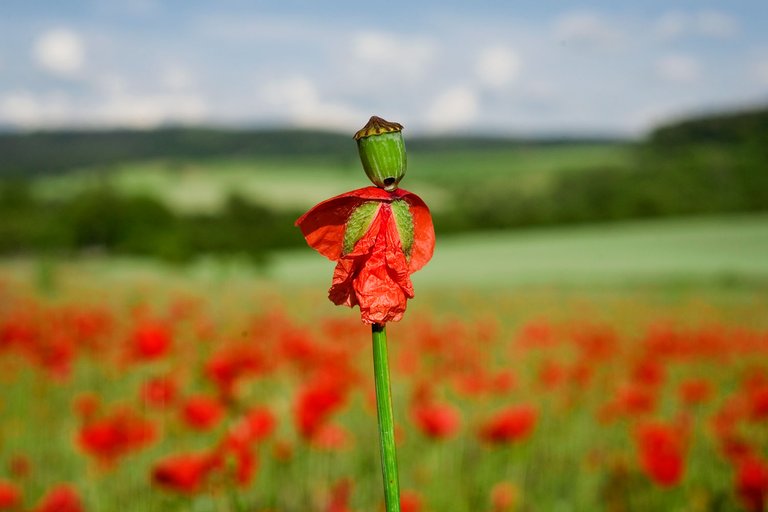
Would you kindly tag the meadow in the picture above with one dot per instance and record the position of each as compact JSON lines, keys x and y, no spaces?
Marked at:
{"x":630,"y":375}
{"x":166,"y":342}
{"x":290,"y":181}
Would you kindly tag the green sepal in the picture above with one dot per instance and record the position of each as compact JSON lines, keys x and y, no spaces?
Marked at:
{"x":358,"y":223}
{"x":404,"y":223}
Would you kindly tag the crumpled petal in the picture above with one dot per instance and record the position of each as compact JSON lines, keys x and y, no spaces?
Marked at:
{"x":375,"y":275}
{"x":323,"y":225}
{"x":423,"y":232}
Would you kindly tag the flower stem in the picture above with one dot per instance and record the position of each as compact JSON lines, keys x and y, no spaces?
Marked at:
{"x":386,"y":419}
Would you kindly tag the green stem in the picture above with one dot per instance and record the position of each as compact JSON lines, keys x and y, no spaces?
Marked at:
{"x":386,"y":419}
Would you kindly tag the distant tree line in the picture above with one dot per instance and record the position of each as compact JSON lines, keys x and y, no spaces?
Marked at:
{"x":709,"y":165}
{"x":100,"y":220}
{"x":715,"y":164}
{"x":50,"y":152}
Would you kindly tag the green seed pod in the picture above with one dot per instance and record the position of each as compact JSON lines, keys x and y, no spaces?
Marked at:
{"x":382,"y":152}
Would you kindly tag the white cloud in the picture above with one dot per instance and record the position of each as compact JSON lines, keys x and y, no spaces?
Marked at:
{"x":176,"y":78}
{"x":671,"y":25}
{"x":299,"y":99}
{"x":453,"y":109}
{"x":710,"y":24}
{"x":393,"y":54}
{"x":498,"y":66}
{"x":716,"y":24}
{"x":587,"y":29}
{"x":761,"y":72}
{"x":24,"y":109}
{"x":678,"y":68}
{"x":149,"y":110}
{"x":59,"y":51}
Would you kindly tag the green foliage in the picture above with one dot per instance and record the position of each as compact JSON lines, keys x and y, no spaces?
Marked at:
{"x":57,"y":151}
{"x":100,"y":220}
{"x":182,"y":206}
{"x":705,"y":166}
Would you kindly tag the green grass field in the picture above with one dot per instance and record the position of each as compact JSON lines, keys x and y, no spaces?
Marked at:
{"x":479,"y":295}
{"x":298,"y":182}
{"x":728,"y":249}
{"x":723,"y":251}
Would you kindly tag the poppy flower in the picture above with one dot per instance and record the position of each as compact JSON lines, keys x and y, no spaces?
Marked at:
{"x":377,"y":235}
{"x":113,"y":436}
{"x":661,"y":452}
{"x":10,"y":496}
{"x":510,"y":424}
{"x":340,"y":495}
{"x":752,"y":483}
{"x":315,"y":403}
{"x":62,"y":498}
{"x":410,"y":501}
{"x":437,"y":421}
{"x":185,"y":472}
{"x":159,"y":392}
{"x":504,"y":495}
{"x":202,"y":412}
{"x":151,"y":341}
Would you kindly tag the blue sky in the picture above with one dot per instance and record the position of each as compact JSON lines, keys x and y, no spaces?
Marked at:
{"x":597,"y":67}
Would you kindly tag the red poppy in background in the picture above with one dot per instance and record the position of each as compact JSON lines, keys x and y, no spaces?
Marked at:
{"x":159,"y":392}
{"x":752,"y":483}
{"x":151,"y":340}
{"x":438,"y":421}
{"x":115,"y":435}
{"x":379,"y":239}
{"x":661,"y":452}
{"x":62,"y":498}
{"x":315,"y":403}
{"x":19,"y":466}
{"x":503,"y":497}
{"x":695,"y":391}
{"x":202,"y":412}
{"x":410,"y":501}
{"x":184,"y":472}
{"x":256,"y":425}
{"x":10,"y":496}
{"x":511,"y":424}
{"x":340,"y":495}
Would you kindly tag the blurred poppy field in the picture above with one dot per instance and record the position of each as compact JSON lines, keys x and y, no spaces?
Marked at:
{"x":169,"y":390}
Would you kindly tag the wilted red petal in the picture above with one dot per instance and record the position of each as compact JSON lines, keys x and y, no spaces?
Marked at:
{"x":423,"y":232}
{"x":323,"y":225}
{"x":376,"y":274}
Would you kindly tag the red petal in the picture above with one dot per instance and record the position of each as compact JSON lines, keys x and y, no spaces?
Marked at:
{"x":382,"y":285}
{"x":423,"y":231}
{"x":323,"y":225}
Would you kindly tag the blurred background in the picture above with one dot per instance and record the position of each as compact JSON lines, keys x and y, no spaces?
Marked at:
{"x":596,"y":305}
{"x":178,"y":131}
